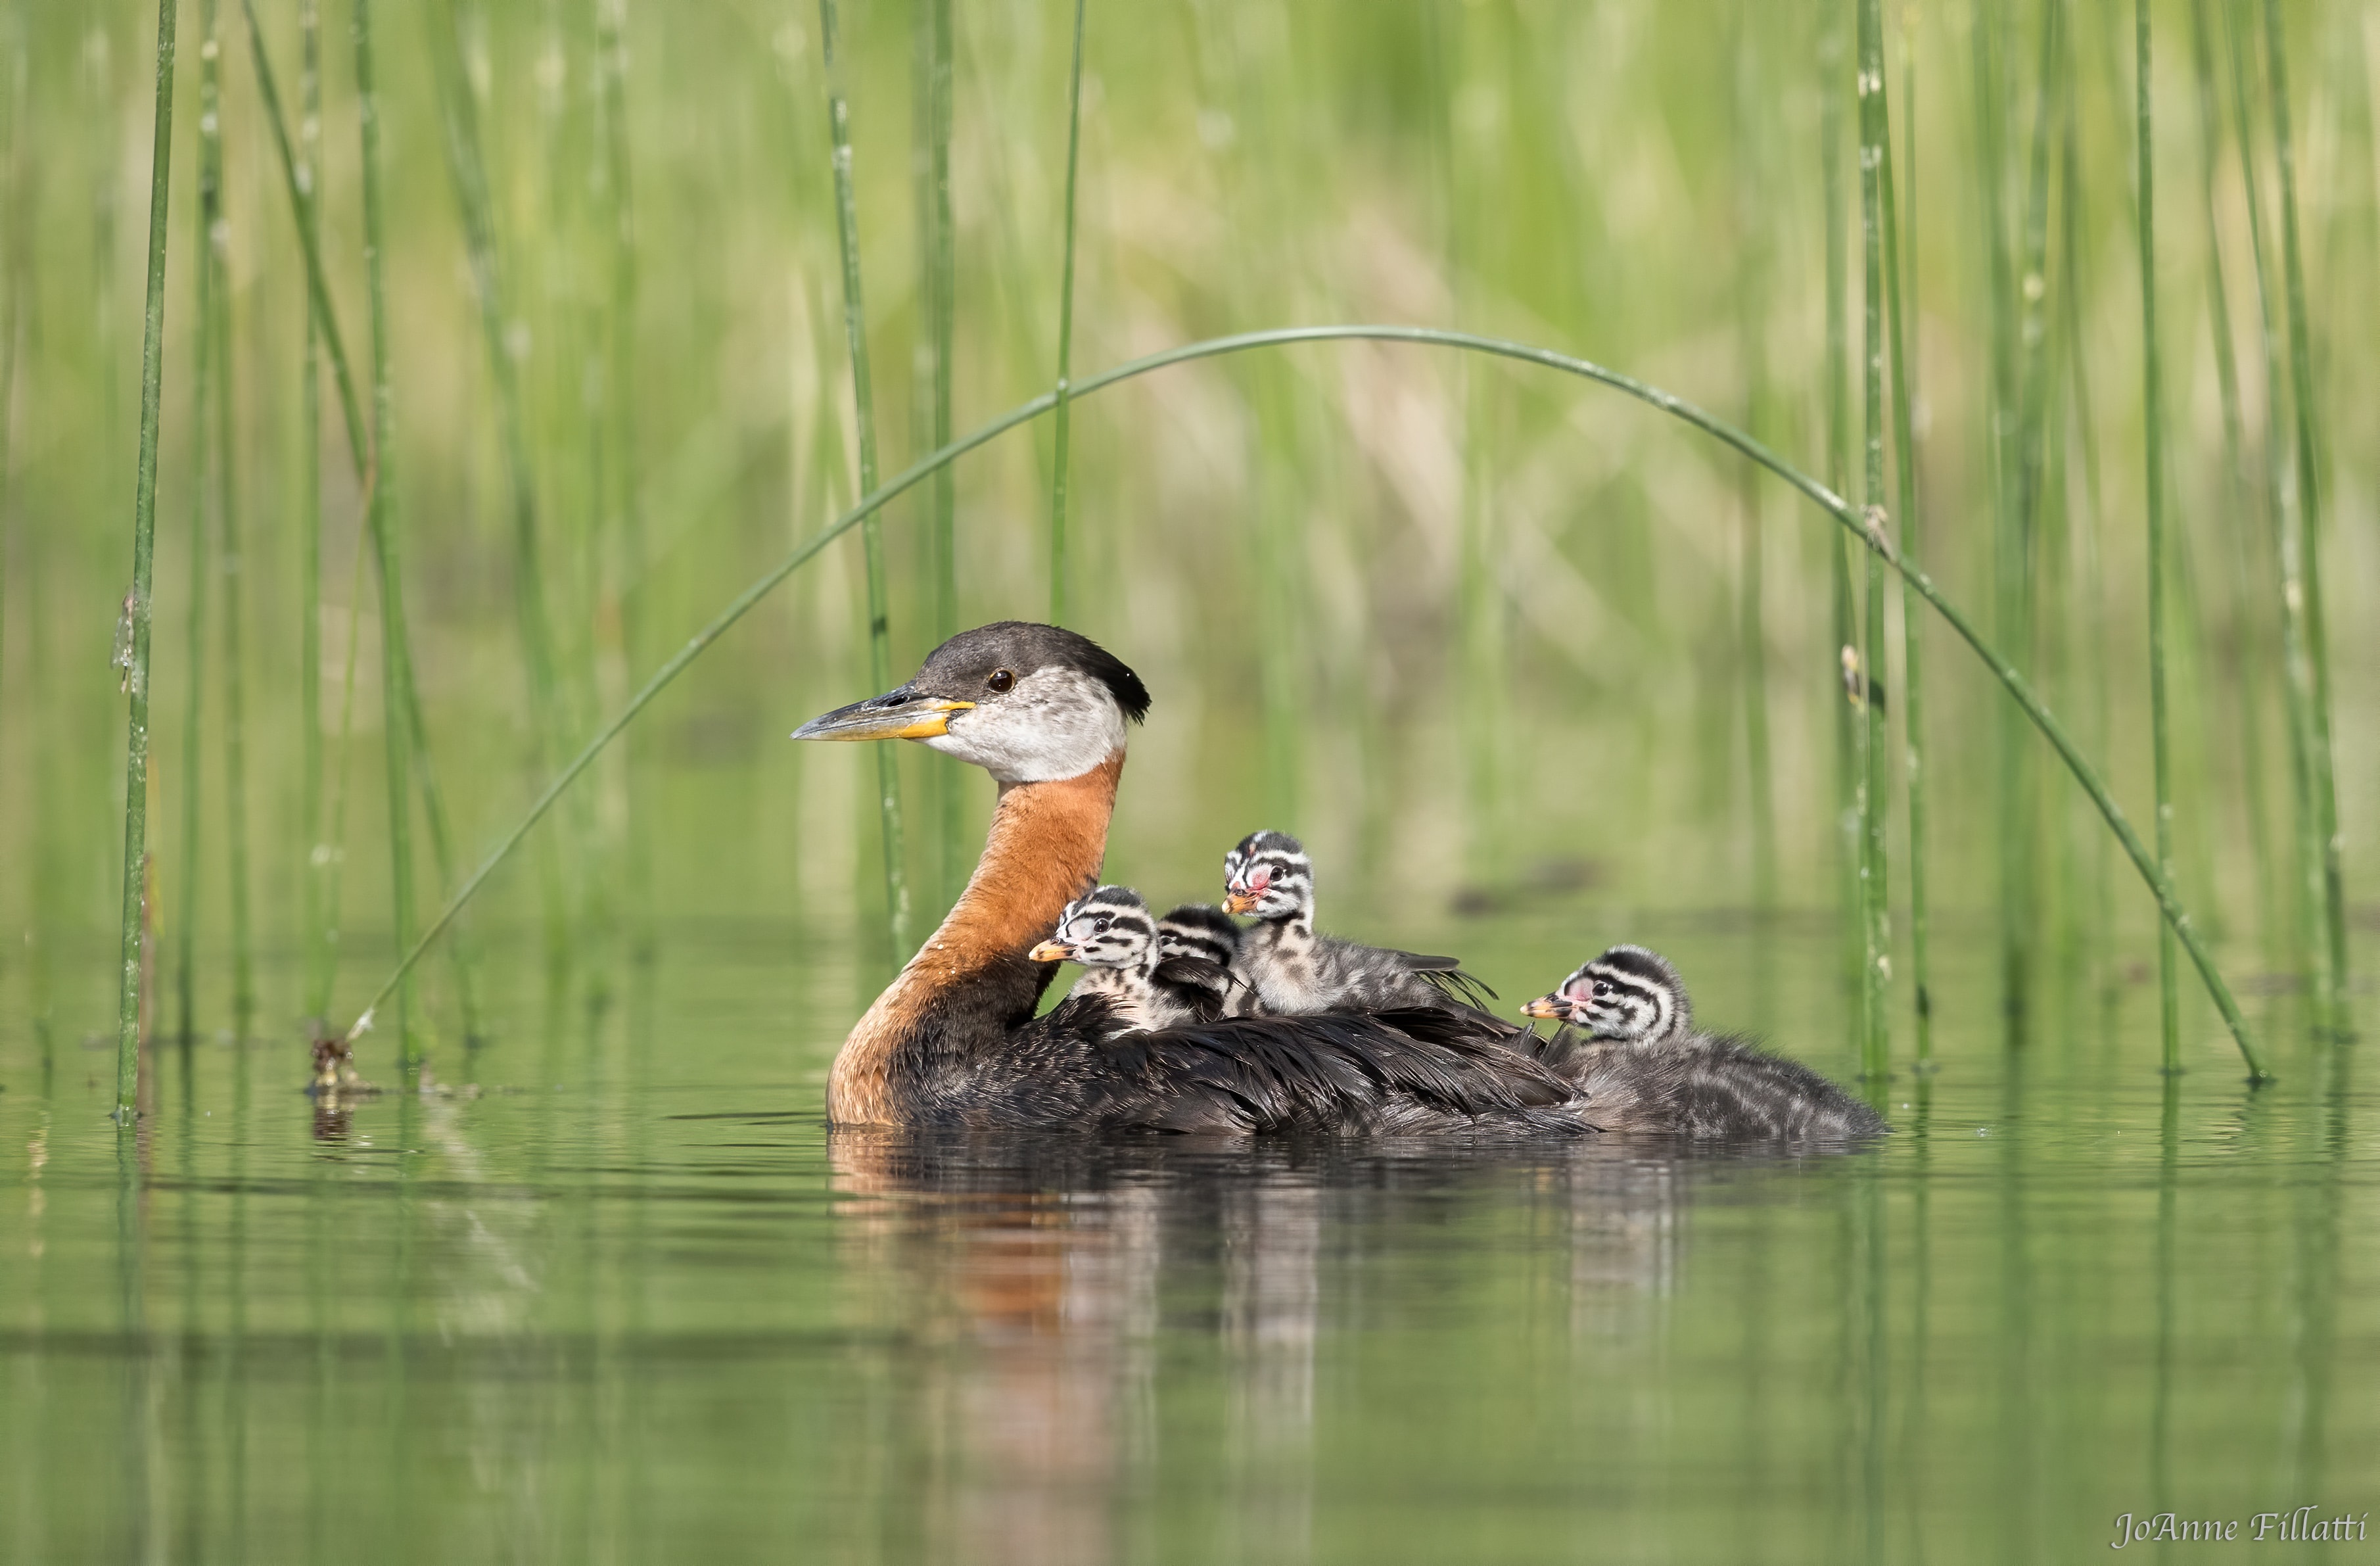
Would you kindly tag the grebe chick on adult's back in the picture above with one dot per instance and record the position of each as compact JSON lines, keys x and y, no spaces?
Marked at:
{"x":1642,"y":1061}
{"x":1109,"y":931}
{"x":1297,"y":971}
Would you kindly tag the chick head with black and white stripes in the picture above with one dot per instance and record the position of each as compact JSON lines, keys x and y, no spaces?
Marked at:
{"x":1108,"y":928}
{"x":1628,"y":994}
{"x":1268,"y":876}
{"x":1200,"y":931}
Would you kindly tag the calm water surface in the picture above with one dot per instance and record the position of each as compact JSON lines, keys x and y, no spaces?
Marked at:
{"x":630,"y":1300}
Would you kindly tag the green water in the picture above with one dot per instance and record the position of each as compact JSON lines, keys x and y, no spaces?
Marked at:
{"x":632,"y":1301}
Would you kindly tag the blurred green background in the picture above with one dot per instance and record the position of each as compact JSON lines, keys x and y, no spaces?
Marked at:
{"x":1480,"y":632}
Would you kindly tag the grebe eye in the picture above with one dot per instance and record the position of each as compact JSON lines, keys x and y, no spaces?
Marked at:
{"x":1001,"y":681}
{"x":1102,"y":926}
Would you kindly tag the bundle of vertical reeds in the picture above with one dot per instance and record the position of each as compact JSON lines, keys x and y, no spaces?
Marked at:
{"x":1421,"y":549}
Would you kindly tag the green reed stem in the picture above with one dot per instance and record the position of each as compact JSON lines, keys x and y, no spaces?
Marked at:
{"x":396,"y":667}
{"x":1826,"y":499}
{"x":2020,"y":532}
{"x":1066,"y":336}
{"x":1983,"y":26}
{"x":1754,"y":259}
{"x":235,"y":615}
{"x":879,"y":617}
{"x":2247,"y":741}
{"x":1852,"y":809}
{"x":235,"y":703}
{"x":2297,"y":681}
{"x":12,"y":300}
{"x":396,"y":707}
{"x":1904,"y":395}
{"x":942,"y":293}
{"x":204,"y":414}
{"x":319,"y":930}
{"x":1874,"y":145}
{"x":442,"y":855}
{"x":135,"y":655}
{"x":467,"y":170}
{"x":2079,"y":658}
{"x":335,"y":848}
{"x":2325,"y":794}
{"x":612,"y":80}
{"x":299,"y":180}
{"x":2153,"y":419}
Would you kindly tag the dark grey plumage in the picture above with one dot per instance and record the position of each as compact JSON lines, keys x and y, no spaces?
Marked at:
{"x":1420,"y":1071}
{"x":1707,"y":1086}
{"x":1298,"y":972}
{"x":1633,"y":1050}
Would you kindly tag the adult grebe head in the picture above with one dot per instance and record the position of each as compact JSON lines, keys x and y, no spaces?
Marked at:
{"x":1026,"y":703}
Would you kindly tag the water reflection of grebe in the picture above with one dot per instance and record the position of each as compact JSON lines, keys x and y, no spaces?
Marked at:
{"x":1035,"y":1280}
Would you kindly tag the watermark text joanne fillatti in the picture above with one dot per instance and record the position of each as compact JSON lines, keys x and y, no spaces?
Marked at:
{"x":2305,"y":1525}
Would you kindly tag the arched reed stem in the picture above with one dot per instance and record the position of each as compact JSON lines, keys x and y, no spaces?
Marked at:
{"x":1870,"y":534}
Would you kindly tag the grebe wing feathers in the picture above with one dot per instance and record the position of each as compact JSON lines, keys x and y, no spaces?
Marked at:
{"x":1205,"y":975}
{"x":1462,"y":989}
{"x":1335,"y":1074}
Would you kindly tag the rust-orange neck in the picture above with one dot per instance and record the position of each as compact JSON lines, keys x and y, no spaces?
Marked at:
{"x":1047,"y":843}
